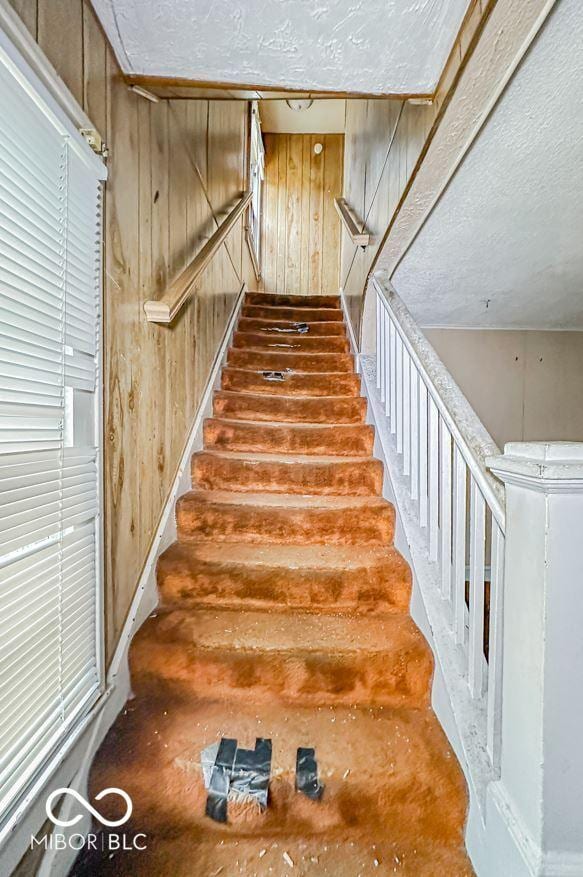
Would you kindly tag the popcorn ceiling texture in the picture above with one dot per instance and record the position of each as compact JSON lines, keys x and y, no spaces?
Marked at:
{"x":502,"y":248}
{"x":381,"y":46}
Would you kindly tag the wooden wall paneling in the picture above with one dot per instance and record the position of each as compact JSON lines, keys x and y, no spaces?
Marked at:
{"x":293,"y":211}
{"x":332,"y":188}
{"x":28,"y":12}
{"x":301,"y":231}
{"x":281,"y":145}
{"x":160,"y":417}
{"x":60,"y":36}
{"x":198,"y":224}
{"x":94,"y":70}
{"x":269,"y":236}
{"x":375,"y":181}
{"x":122,"y":346}
{"x":316,"y":216}
{"x":304,"y":282}
{"x":149,"y":388}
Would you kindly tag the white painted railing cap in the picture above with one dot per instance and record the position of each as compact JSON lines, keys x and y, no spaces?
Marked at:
{"x":549,"y":464}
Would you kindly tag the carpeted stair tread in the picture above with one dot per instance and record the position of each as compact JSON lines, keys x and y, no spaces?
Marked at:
{"x":278,"y":327}
{"x":281,"y":473}
{"x":345,"y":440}
{"x":294,"y":314}
{"x":291,"y":301}
{"x":390,"y":793}
{"x":311,"y":659}
{"x":226,"y":516}
{"x":281,"y":360}
{"x":287,"y":409}
{"x":304,"y":577}
{"x":258,"y":342}
{"x":284,"y":632}
{"x":294,"y":383}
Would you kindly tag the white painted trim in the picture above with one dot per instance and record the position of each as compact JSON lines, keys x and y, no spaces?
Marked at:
{"x":350,"y":327}
{"x":71,"y":764}
{"x":470,"y":434}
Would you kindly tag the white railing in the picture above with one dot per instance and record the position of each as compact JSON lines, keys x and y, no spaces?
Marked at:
{"x":458,"y":504}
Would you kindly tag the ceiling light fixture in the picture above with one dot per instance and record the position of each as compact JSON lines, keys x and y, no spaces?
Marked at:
{"x":299,"y":104}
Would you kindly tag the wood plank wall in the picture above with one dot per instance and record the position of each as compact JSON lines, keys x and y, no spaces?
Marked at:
{"x":156,"y":217}
{"x":301,"y":229}
{"x":383,"y":142}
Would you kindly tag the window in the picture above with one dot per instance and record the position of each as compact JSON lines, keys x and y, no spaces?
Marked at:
{"x":257,"y":174}
{"x":50,"y":546}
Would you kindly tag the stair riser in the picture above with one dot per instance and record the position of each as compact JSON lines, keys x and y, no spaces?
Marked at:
{"x":299,"y":315}
{"x":333,"y":384}
{"x":377,"y":589}
{"x":290,"y":343}
{"x":270,"y":327}
{"x":302,"y":362}
{"x":241,"y":406}
{"x":216,"y":522}
{"x":392,"y":679}
{"x":346,"y":441}
{"x":292,"y":301}
{"x":210,"y":472}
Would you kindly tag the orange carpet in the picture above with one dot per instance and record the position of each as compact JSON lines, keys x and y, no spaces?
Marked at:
{"x":284,"y":614}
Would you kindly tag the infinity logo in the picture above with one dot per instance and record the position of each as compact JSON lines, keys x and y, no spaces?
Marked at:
{"x":67,"y":823}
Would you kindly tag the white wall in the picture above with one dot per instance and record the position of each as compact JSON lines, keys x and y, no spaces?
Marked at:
{"x":323,"y":117}
{"x":523,"y":385}
{"x":502,"y":247}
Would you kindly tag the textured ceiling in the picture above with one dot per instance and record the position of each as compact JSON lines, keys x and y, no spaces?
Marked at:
{"x":377,"y":46}
{"x":504,"y":245}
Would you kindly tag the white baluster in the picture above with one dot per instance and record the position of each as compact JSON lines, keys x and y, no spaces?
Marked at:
{"x":414,"y":489}
{"x":433,"y":480}
{"x":383,"y":386}
{"x":476,"y":659}
{"x":445,"y":496}
{"x":399,"y":364}
{"x":495,"y":645}
{"x":459,"y":548}
{"x":393,"y":415}
{"x":380,"y":310}
{"x":388,"y":343}
{"x":406,"y":412}
{"x":423,"y":442}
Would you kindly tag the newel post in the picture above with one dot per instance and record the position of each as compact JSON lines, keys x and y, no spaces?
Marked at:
{"x":538,"y":800}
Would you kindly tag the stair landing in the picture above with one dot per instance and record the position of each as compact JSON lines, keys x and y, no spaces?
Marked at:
{"x":284,"y":614}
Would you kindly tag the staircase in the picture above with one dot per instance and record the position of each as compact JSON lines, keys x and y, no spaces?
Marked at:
{"x":284,"y":614}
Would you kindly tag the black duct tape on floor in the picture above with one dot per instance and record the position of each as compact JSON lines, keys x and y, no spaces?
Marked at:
{"x":252,"y":771}
{"x":240,"y":772}
{"x":307,"y":774}
{"x":295,"y":328}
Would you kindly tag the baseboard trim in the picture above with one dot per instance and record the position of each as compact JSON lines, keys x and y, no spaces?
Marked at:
{"x":351,"y":334}
{"x":71,"y":764}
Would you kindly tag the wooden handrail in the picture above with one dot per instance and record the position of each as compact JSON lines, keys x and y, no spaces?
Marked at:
{"x":358,"y":237}
{"x":163,"y":310}
{"x":252,"y":253}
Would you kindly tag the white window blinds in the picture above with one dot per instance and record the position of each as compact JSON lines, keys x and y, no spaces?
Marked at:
{"x":50,"y":240}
